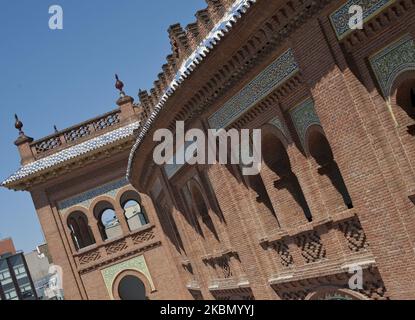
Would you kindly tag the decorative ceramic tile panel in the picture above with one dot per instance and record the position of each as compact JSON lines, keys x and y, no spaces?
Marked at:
{"x":136,"y":264}
{"x":304,"y":116}
{"x":340,"y":18}
{"x":281,"y":125}
{"x":391,"y":61}
{"x":283,"y":68}
{"x":85,"y":199}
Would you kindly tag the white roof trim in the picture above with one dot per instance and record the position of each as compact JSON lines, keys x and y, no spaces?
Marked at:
{"x":72,"y":152}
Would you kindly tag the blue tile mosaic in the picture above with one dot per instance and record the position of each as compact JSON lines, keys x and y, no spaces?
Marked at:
{"x":304,"y":116}
{"x":273,"y":76}
{"x":391,"y":61}
{"x":340,"y":18}
{"x":281,"y":125}
{"x":86,"y":198}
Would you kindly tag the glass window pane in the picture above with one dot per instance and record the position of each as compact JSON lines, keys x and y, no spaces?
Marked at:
{"x":6,"y":281}
{"x":11,"y":295}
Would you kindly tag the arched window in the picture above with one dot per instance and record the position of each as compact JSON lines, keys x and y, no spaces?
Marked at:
{"x":108,"y":224}
{"x":131,"y":288}
{"x":134,"y":213}
{"x":334,"y":188}
{"x":81,"y":233}
{"x":290,"y":194}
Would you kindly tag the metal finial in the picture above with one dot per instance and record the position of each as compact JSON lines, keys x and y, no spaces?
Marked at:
{"x":119,"y":85}
{"x":18,"y":124}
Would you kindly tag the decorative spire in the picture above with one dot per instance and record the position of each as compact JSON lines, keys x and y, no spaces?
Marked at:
{"x":22,"y":137}
{"x":18,"y":125}
{"x":124,"y":102}
{"x":119,"y":85}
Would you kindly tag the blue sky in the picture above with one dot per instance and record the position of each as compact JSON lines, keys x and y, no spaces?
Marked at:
{"x":63,"y":77}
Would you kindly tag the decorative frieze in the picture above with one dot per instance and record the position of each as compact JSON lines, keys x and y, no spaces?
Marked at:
{"x":393,"y":60}
{"x":283,"y":68}
{"x":136,"y":264}
{"x":311,"y":246}
{"x":85,"y":199}
{"x":304,"y":116}
{"x":354,"y":234}
{"x":284,"y":253}
{"x":341,"y":17}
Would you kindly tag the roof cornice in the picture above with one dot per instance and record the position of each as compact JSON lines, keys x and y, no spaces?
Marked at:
{"x":235,"y":12}
{"x":72,"y":157}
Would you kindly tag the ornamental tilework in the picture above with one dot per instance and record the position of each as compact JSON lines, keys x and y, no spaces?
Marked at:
{"x":85,"y":199}
{"x":136,"y":264}
{"x":340,"y":18}
{"x":304,"y":116}
{"x":391,"y":61}
{"x":280,"y":124}
{"x":273,"y":76}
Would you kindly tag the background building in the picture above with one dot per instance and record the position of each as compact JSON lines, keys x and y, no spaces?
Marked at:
{"x":7,"y":246}
{"x":15,"y":279}
{"x":43,"y":274}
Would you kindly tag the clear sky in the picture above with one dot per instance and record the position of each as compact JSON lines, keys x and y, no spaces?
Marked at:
{"x":63,"y":77}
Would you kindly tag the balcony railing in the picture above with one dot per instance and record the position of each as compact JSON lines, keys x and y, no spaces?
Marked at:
{"x":52,"y":143}
{"x":136,"y":241}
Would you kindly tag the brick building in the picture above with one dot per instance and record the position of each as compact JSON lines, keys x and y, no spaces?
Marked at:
{"x":337,"y":187}
{"x":7,"y":246}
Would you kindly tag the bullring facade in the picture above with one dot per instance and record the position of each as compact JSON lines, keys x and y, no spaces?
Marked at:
{"x":337,"y":187}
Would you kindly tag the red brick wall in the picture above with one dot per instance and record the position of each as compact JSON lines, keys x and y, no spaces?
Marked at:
{"x":369,"y":167}
{"x":251,"y":237}
{"x":7,"y":246}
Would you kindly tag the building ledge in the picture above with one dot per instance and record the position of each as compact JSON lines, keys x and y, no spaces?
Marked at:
{"x":193,"y":285}
{"x":307,"y":227}
{"x":229,"y":284}
{"x":219,"y":254}
{"x":324,"y":268}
